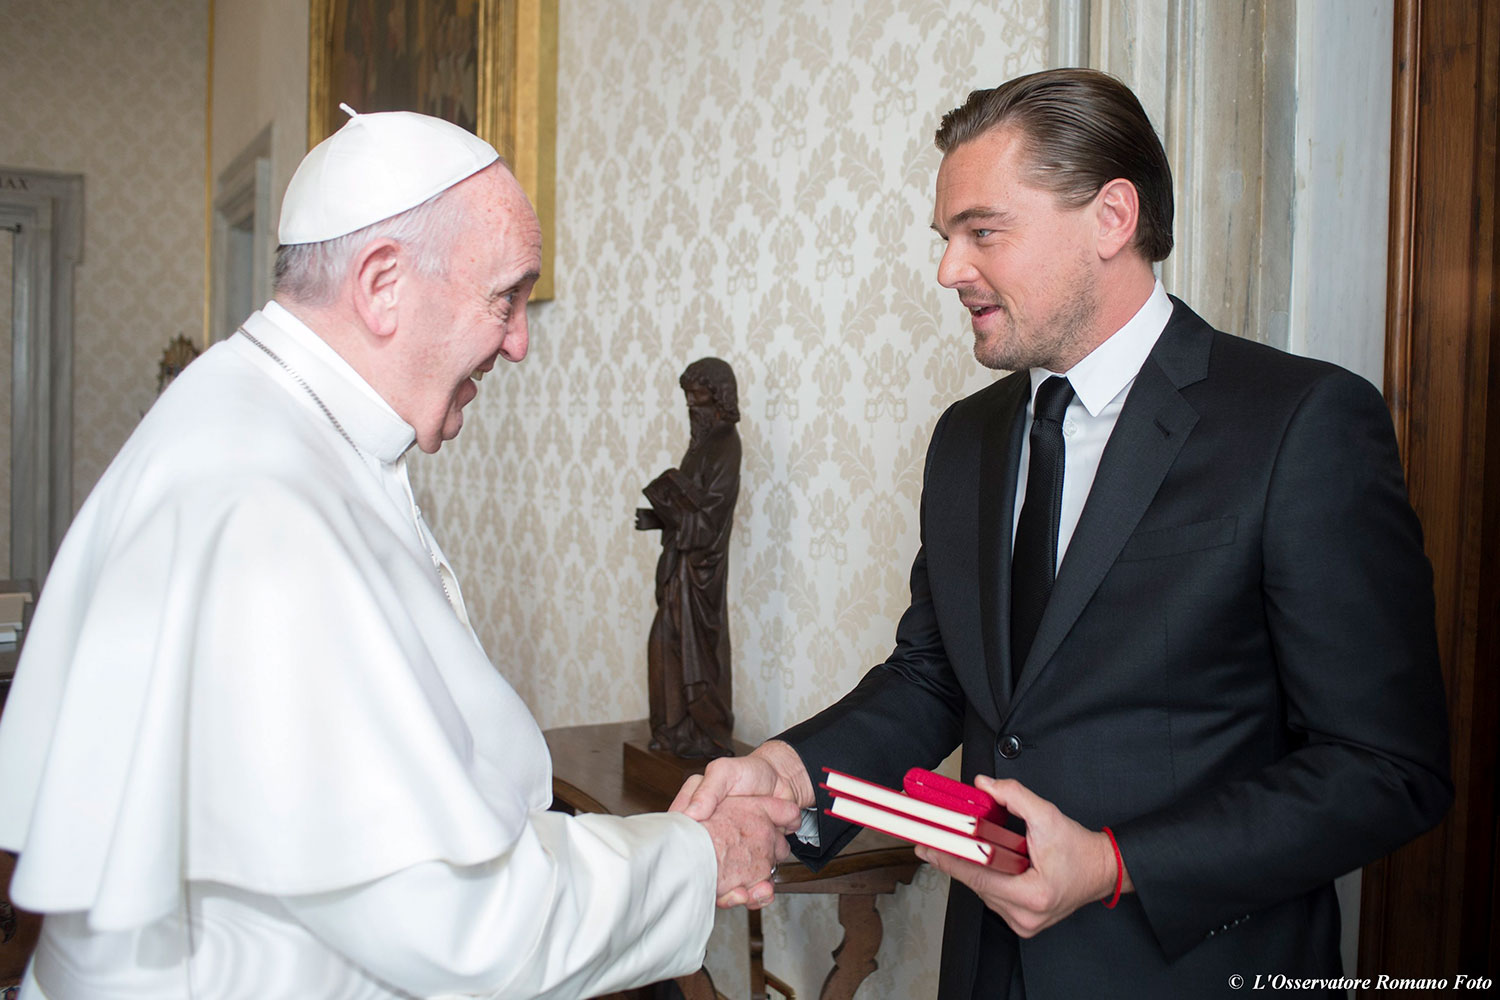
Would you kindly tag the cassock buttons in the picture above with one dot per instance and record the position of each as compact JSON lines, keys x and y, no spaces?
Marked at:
{"x":1010,"y":746}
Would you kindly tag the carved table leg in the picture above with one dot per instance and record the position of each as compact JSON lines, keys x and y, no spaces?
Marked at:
{"x":854,"y":958}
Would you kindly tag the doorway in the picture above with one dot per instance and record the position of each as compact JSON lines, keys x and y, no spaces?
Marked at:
{"x":41,"y":226}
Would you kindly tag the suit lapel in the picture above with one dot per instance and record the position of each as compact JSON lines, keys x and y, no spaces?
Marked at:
{"x":1151,"y":430}
{"x":999,"y":458}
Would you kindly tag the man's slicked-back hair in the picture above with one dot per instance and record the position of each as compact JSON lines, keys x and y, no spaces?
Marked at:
{"x":1080,"y":129}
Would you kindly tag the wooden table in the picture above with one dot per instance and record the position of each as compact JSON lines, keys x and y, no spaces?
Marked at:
{"x":588,"y":776}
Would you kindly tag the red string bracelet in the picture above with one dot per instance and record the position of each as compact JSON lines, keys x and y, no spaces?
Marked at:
{"x":1109,"y":904}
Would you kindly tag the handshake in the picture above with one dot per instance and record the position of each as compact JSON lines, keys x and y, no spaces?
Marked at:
{"x":749,"y":806}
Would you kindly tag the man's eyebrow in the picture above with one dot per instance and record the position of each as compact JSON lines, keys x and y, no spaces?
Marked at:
{"x":978,"y":213}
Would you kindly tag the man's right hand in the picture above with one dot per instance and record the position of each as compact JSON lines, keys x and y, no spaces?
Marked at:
{"x":772,"y":769}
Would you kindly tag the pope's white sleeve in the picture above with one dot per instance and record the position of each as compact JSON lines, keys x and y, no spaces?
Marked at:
{"x":579,"y":906}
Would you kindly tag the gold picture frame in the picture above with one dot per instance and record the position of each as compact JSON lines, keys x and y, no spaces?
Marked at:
{"x":503,"y":85}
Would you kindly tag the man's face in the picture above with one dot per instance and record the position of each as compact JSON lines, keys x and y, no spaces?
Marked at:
{"x":1023,"y":265}
{"x":461,"y":322}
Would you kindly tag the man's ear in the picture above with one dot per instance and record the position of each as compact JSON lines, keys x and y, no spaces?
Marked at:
{"x":1117,"y":212}
{"x":377,"y":270}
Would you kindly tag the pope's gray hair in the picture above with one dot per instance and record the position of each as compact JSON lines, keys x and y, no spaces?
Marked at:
{"x":311,"y":273}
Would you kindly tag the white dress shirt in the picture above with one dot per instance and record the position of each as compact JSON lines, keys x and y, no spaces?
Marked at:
{"x":1101,"y":382}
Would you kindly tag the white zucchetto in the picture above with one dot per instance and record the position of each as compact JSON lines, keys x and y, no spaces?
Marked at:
{"x":376,"y":166}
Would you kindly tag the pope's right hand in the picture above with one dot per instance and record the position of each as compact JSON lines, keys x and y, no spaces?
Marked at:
{"x":749,"y":835}
{"x":773,"y":771}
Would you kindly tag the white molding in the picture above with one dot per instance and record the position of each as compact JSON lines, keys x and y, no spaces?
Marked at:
{"x":1068,"y":34}
{"x":1216,"y":80}
{"x":1342,"y":163}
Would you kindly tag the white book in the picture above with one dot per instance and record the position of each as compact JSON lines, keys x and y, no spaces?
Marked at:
{"x":849,"y":786}
{"x":981,"y":852}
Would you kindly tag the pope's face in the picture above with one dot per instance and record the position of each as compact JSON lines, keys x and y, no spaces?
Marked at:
{"x":464,"y":320}
{"x":1022,"y":264}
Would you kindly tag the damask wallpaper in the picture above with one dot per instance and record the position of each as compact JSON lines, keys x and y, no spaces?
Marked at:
{"x":751,"y":179}
{"x":114,"y":91}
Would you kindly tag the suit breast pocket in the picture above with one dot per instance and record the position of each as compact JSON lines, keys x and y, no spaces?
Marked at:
{"x":1160,"y":542}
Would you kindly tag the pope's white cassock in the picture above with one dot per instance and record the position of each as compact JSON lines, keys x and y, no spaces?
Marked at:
{"x":255,"y":750}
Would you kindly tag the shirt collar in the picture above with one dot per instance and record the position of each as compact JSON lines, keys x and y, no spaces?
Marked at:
{"x":1114,"y":364}
{"x":367,"y":418}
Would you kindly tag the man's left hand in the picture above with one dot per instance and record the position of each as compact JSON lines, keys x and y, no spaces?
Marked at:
{"x":1070,"y":866}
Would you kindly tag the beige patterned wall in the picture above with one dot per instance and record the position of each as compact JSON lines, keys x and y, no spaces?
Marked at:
{"x":114,"y":91}
{"x":752,"y":179}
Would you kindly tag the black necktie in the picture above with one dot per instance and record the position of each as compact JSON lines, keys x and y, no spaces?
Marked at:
{"x":1034,"y":559}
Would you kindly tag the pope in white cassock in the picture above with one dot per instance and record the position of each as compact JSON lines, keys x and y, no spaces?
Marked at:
{"x":254,"y":748}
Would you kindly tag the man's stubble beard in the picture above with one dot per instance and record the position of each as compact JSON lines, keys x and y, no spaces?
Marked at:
{"x":1056,"y":343}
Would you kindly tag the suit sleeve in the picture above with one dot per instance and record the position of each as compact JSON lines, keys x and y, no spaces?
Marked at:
{"x":905,"y":712}
{"x":1348,"y":603}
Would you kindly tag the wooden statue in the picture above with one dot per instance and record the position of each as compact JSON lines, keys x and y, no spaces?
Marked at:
{"x":693,"y":506}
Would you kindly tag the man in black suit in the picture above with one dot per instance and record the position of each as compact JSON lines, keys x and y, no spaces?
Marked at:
{"x":1170,"y":593}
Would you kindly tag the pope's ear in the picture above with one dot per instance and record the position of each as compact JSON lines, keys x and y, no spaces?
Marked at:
{"x":1117,"y":211}
{"x":375,"y":274}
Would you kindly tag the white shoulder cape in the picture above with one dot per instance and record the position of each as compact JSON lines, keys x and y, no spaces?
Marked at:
{"x":243,"y":669}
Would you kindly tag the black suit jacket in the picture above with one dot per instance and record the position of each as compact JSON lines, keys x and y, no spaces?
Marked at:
{"x":1236,"y":671}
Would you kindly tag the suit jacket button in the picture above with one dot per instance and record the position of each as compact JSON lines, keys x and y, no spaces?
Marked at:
{"x":1010,"y":746}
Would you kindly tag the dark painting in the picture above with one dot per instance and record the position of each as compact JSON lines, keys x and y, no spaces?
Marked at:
{"x":405,"y":55}
{"x":489,"y":66}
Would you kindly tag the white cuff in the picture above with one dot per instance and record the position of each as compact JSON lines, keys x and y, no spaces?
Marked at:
{"x":808,"y":831}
